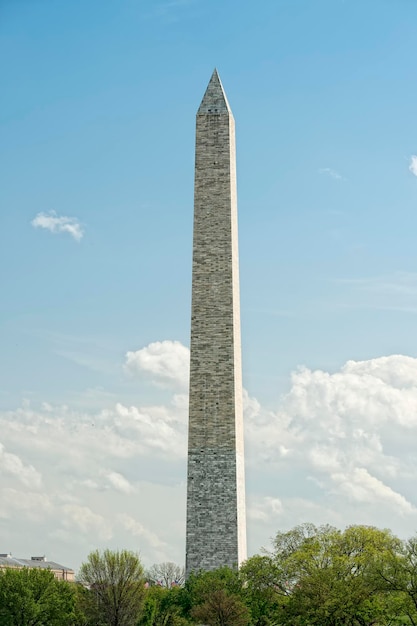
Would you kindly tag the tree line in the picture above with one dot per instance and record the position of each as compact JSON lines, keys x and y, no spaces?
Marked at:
{"x":312,"y":576}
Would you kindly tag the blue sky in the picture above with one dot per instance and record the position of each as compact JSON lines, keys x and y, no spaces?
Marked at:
{"x":96,"y":193}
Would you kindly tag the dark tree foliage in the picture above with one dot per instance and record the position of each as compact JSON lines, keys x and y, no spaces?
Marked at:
{"x":221,"y":608}
{"x":162,"y":607}
{"x":215,"y":598}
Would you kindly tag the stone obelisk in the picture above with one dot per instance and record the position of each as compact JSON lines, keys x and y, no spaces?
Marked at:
{"x":216,"y":519}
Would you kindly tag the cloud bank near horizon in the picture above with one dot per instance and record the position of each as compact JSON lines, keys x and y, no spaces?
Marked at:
{"x":338,"y":449}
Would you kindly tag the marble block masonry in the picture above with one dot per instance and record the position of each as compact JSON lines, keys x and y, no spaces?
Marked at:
{"x":216,"y":518}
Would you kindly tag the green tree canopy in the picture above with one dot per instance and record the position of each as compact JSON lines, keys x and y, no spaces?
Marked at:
{"x":221,"y":608}
{"x":321,"y":576}
{"x":116,"y":583}
{"x":163,"y":607}
{"x":398,"y":575}
{"x":34,"y":597}
{"x":260,"y":576}
{"x":215,"y":598}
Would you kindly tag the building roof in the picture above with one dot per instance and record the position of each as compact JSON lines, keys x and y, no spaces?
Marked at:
{"x":39,"y":562}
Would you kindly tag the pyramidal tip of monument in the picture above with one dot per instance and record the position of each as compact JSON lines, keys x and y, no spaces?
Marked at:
{"x":214,"y":100}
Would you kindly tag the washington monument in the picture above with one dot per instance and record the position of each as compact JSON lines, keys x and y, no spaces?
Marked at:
{"x":216,"y":520}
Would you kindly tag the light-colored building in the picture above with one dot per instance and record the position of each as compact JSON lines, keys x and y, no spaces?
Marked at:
{"x":38,"y":562}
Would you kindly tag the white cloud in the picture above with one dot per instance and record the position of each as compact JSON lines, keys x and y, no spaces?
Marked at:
{"x":59,"y":224}
{"x":138,"y":530}
{"x":361,"y":487}
{"x":84,"y":520}
{"x":339,"y":448}
{"x":119,"y":482}
{"x":265,"y":509}
{"x":73,"y":437}
{"x":155,"y":430}
{"x":11,"y":464}
{"x":28,"y":505}
{"x":413,"y":164}
{"x":167,"y":361}
{"x":363,"y":394}
{"x":328,"y":171}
